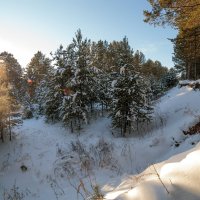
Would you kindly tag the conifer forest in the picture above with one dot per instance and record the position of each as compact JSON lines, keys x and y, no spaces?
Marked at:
{"x":99,"y":119}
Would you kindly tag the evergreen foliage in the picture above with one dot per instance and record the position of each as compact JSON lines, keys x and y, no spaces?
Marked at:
{"x":155,"y":69}
{"x":130,"y":95}
{"x":50,"y":91}
{"x":170,"y":80}
{"x":156,"y":87}
{"x":184,"y":15}
{"x":14,"y":76}
{"x":88,"y":74}
{"x":5,"y":100}
{"x":36,"y":70}
{"x":130,"y":102}
{"x":187,"y":53}
{"x":87,"y":78}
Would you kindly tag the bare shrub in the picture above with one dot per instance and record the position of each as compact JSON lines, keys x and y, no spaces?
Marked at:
{"x":102,"y":153}
{"x":97,"y":195}
{"x":76,"y":166}
{"x":58,"y":191}
{"x":82,"y":160}
{"x":79,"y":148}
{"x":91,"y":192}
{"x":63,"y":165}
{"x":13,"y":194}
{"x":128,"y":154}
{"x":85,"y":158}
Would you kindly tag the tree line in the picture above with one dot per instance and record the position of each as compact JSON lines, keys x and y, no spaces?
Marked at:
{"x":86,"y":78}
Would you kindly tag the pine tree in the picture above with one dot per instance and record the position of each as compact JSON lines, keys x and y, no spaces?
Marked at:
{"x":88,"y":74}
{"x":41,"y":94}
{"x":5,"y":99}
{"x":187,"y":54}
{"x":98,"y":54}
{"x":156,"y":87}
{"x":130,"y":101}
{"x":14,"y":75}
{"x":103,"y":90}
{"x":184,"y":14}
{"x":79,"y":101}
{"x":138,"y":60}
{"x":151,"y":68}
{"x":54,"y":97}
{"x":101,"y":69}
{"x":170,"y":79}
{"x":55,"y":86}
{"x":36,"y":70}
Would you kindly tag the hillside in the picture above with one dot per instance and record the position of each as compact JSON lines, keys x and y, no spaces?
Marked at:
{"x":58,"y":163}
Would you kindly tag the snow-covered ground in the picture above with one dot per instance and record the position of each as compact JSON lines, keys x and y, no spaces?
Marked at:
{"x":60,"y":163}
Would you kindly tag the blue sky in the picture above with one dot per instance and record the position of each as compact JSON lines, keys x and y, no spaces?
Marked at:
{"x":27,"y":26}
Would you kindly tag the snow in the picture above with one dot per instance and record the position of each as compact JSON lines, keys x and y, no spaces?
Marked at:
{"x":185,"y":82}
{"x":122,"y":70}
{"x":179,"y":179}
{"x":129,"y":173}
{"x":74,"y":96}
{"x":113,"y":83}
{"x":189,"y":82}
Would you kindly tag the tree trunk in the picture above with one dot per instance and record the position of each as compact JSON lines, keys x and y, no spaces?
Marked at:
{"x":79,"y":123}
{"x":195,"y":58}
{"x":121,"y":130}
{"x":72,"y":130}
{"x":9,"y":125}
{"x":2,"y":136}
{"x":124,"y":132}
{"x":91,"y":106}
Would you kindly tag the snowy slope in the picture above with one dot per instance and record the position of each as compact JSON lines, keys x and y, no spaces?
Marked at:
{"x":47,"y":153}
{"x":177,"y":177}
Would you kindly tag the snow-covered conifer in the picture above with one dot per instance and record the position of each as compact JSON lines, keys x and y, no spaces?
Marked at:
{"x":130,"y":95}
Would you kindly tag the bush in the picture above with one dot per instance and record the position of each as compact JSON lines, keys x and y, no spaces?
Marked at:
{"x":82,"y":160}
